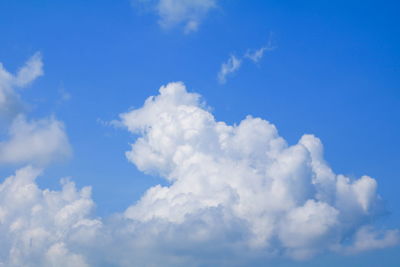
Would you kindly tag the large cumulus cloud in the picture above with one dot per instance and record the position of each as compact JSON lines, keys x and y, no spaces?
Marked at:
{"x":285,"y":197}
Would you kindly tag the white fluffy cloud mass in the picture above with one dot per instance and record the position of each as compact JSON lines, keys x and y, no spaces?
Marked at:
{"x":39,"y":142}
{"x":236,"y":194}
{"x":188,"y":13}
{"x":43,"y":227}
{"x":285,"y":199}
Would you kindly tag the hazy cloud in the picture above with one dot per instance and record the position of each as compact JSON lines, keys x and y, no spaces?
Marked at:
{"x":36,"y":141}
{"x":234,"y":63}
{"x":10,"y":104}
{"x":256,"y":55}
{"x":228,"y":67}
{"x":186,"y":13}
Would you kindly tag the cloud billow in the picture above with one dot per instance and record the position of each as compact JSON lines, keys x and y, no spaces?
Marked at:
{"x":285,"y":198}
{"x":236,"y":194}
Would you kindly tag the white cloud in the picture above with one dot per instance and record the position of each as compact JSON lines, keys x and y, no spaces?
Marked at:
{"x":10,"y":103}
{"x":33,"y":68}
{"x":232,"y":65}
{"x":368,"y":238}
{"x":37,"y":141}
{"x":42,"y":227}
{"x":257,"y":54}
{"x":237,"y":194}
{"x":188,"y":13}
{"x":283,"y":198}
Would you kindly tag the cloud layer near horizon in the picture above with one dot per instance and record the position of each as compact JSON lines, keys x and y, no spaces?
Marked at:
{"x":236,"y":194}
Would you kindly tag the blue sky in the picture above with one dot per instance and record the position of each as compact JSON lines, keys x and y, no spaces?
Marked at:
{"x":330,"y":69}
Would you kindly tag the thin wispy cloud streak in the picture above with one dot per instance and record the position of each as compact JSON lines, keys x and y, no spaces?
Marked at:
{"x":234,"y":63}
{"x":257,"y":54}
{"x":229,"y":67}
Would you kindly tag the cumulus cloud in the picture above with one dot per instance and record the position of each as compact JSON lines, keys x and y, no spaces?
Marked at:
{"x":43,"y":227}
{"x":36,"y":141}
{"x":10,"y":103}
{"x":188,"y":13}
{"x":282,"y":198}
{"x":232,"y":65}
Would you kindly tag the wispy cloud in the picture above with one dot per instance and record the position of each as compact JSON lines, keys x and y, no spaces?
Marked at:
{"x":233,"y":64}
{"x":256,"y":54}
{"x":228,"y":67}
{"x":10,"y":103}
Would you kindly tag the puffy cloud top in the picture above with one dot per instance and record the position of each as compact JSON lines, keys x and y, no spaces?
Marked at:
{"x":286,"y":197}
{"x":38,"y":226}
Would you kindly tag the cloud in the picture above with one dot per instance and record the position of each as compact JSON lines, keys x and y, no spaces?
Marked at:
{"x":235,"y":194}
{"x":232,"y":65}
{"x":257,"y":54}
{"x":36,"y":141}
{"x":10,"y":104}
{"x":42,"y":227}
{"x":282,"y":198}
{"x":188,"y":13}
{"x":367,"y":238}
{"x":33,"y":68}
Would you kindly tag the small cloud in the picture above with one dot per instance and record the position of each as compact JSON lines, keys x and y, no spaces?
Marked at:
{"x":64,"y":95}
{"x":112,"y":123}
{"x":38,"y":141}
{"x":10,"y":102}
{"x":186,"y":13}
{"x":33,"y":69}
{"x":256,"y":55}
{"x":232,"y":65}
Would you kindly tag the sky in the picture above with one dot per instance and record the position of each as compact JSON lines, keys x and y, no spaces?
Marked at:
{"x":199,"y":133}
